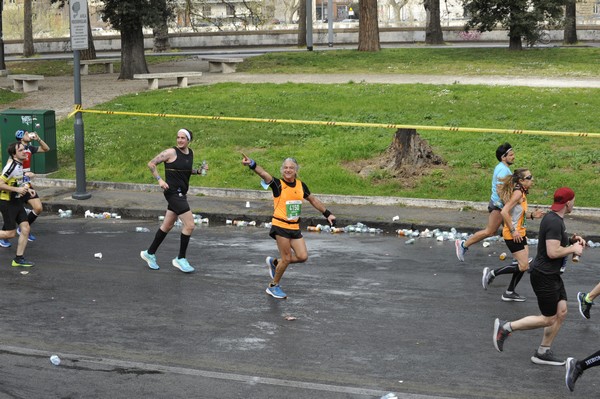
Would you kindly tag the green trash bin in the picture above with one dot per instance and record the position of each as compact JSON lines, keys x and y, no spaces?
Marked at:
{"x":43,"y":122}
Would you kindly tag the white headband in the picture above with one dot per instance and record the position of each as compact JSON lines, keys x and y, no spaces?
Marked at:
{"x":187,"y":134}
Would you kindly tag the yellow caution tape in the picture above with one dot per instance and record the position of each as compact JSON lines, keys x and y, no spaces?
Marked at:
{"x":353,"y":124}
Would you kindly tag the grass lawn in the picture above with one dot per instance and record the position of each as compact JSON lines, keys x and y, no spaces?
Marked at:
{"x":323,"y":151}
{"x":118,"y":147}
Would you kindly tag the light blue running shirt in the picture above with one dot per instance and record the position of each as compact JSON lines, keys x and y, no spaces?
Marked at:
{"x":500,"y":171}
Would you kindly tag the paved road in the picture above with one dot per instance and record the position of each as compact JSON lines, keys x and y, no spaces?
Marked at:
{"x":373,"y":315}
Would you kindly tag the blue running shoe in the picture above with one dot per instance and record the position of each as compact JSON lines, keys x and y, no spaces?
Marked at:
{"x":276,"y":292}
{"x":5,"y":244}
{"x":30,"y":238}
{"x":183,"y":265}
{"x":150,"y":259}
{"x":21,"y":261}
{"x":271,"y":264}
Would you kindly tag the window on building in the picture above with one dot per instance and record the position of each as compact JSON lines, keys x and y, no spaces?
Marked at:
{"x":206,"y":10}
{"x":596,"y":8}
{"x":230,"y":10}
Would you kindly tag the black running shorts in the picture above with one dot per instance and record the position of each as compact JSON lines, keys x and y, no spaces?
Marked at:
{"x":177,"y":203}
{"x":13,"y":214}
{"x":549,"y":289}
{"x":285,"y":233}
{"x":516,"y":246}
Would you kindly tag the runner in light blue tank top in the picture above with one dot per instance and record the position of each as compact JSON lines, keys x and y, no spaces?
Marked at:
{"x":506,"y":156}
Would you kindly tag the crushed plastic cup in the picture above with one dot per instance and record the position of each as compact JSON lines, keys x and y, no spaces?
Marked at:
{"x":142,"y":230}
{"x":65,"y":214}
{"x":98,"y":255}
{"x":247,"y":204}
{"x":486,"y":244}
{"x":395,"y":218}
{"x":55,"y":360}
{"x":410,"y":241}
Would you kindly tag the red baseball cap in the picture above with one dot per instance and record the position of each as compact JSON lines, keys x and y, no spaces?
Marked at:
{"x":561,"y":197}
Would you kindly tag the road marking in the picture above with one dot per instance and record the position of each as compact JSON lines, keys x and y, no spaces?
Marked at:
{"x":213,"y":374}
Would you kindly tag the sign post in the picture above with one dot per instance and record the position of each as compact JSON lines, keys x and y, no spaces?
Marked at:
{"x":78,"y":12}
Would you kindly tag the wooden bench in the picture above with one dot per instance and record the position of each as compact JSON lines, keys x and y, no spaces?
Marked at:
{"x":153,"y":78}
{"x":224,"y":65}
{"x":107,"y":62}
{"x":25,"y":83}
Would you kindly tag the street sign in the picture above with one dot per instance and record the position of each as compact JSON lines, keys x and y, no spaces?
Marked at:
{"x":78,"y":11}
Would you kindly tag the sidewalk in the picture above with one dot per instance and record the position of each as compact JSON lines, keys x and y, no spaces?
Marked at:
{"x":145,"y":201}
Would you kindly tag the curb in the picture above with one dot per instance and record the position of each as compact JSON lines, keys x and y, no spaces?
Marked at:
{"x":328,"y":198}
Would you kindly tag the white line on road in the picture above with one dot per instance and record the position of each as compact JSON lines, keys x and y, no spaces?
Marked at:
{"x":213,"y":374}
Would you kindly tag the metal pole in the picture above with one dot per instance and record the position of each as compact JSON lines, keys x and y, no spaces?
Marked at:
{"x":330,"y":22}
{"x":2,"y":64}
{"x":309,"y":26}
{"x":80,"y":183}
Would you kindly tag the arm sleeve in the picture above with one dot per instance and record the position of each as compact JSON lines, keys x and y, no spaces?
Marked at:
{"x":306,"y":190}
{"x":275,"y":185}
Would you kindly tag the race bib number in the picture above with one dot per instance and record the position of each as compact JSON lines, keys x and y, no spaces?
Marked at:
{"x":293,"y":209}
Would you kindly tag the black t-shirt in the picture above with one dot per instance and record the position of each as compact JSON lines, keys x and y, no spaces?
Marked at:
{"x":552,"y":227}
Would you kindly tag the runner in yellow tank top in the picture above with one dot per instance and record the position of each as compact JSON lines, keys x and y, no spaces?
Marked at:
{"x":513,"y":190}
{"x":288,"y":195}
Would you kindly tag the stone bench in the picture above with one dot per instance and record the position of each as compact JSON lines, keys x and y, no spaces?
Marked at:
{"x":153,"y":78}
{"x":220,"y":64}
{"x":25,"y":83}
{"x":107,"y":62}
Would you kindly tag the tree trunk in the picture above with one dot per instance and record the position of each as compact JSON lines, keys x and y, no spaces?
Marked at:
{"x":410,"y":153}
{"x":132,"y":51}
{"x":433,"y":25}
{"x":90,"y":53}
{"x":28,"y":49}
{"x":368,"y":26}
{"x":302,"y":24}
{"x":571,"y":22}
{"x":515,"y":43}
{"x":161,"y":38}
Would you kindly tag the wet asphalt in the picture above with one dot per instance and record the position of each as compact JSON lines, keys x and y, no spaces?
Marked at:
{"x":370,"y":314}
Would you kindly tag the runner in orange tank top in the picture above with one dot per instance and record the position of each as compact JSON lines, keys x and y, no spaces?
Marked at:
{"x":288,"y":195}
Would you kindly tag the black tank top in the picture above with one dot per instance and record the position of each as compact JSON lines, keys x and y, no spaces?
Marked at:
{"x":178,"y":172}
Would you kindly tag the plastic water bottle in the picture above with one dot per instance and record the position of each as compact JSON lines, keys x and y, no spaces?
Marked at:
{"x":203,"y":168}
{"x":55,"y":360}
{"x":142,"y":230}
{"x":390,"y":395}
{"x":410,"y":241}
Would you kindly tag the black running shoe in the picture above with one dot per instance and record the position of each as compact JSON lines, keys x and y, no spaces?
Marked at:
{"x":547,"y":358}
{"x":573,"y":373}
{"x":584,"y":306}
{"x":513,"y":297}
{"x":500,"y":334}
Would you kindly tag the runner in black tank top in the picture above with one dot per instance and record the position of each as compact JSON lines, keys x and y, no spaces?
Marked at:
{"x":178,"y":172}
{"x":178,"y":162}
